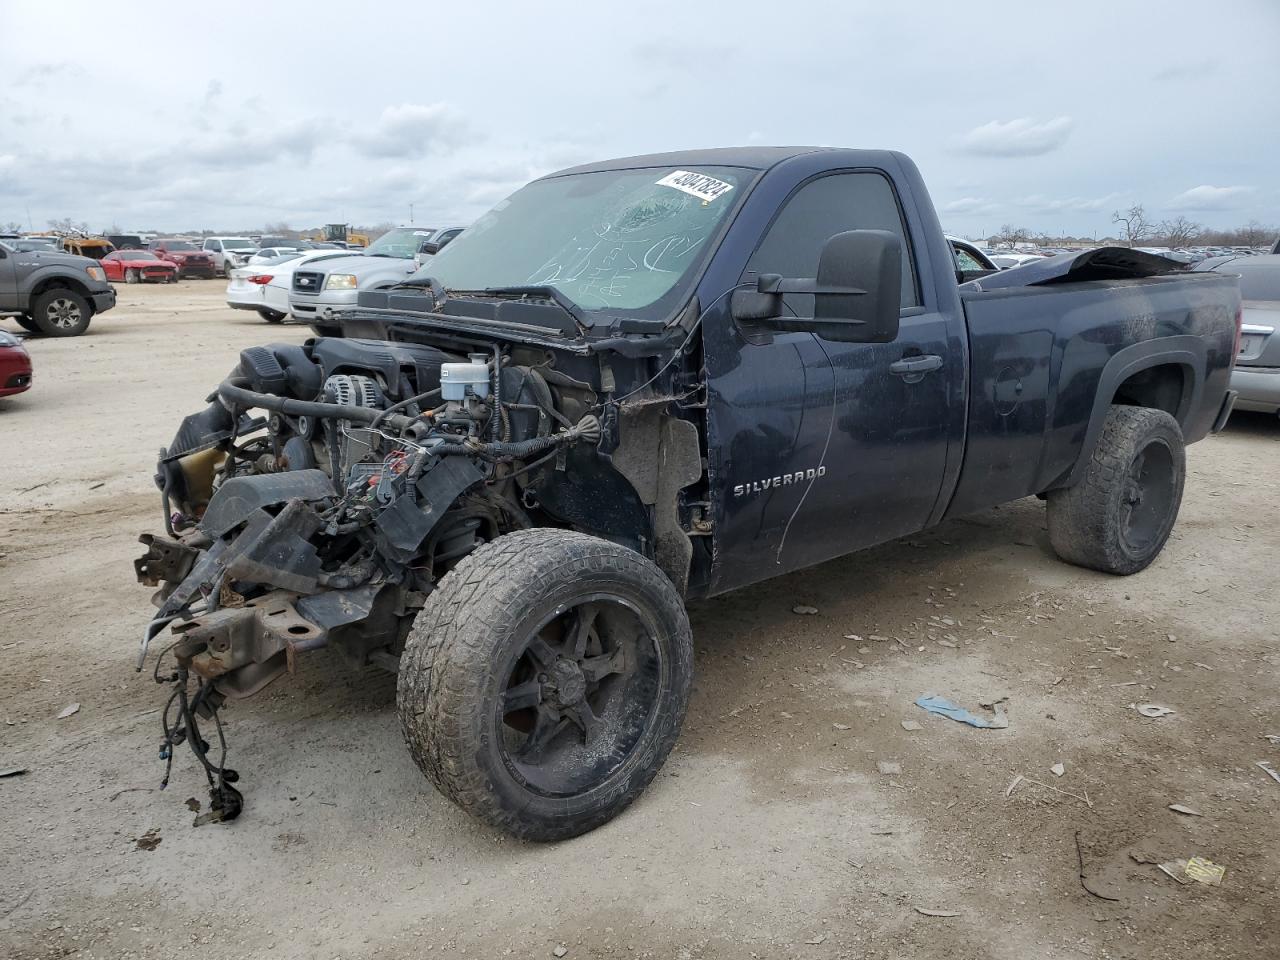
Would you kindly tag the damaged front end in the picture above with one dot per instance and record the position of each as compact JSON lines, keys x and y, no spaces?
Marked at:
{"x":325,"y":519}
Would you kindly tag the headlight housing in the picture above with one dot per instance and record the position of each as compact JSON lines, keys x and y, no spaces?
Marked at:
{"x":340,"y":281}
{"x":96,"y":273}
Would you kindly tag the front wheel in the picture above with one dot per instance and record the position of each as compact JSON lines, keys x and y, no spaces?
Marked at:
{"x":131,"y":276}
{"x":61,"y":313}
{"x":545,"y":681}
{"x":269,"y":315}
{"x":1118,"y":517}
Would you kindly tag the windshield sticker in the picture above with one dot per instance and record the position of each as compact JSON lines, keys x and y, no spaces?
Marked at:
{"x":422,"y":233}
{"x":697,"y":184}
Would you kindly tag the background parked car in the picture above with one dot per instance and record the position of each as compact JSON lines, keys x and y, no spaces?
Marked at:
{"x":52,"y":292}
{"x":95,"y":248}
{"x":34,"y":244}
{"x":229,"y":252}
{"x":970,"y":261}
{"x":15,"y":365}
{"x":1177,"y":256}
{"x":134,"y":266}
{"x":333,"y":287}
{"x":442,"y":237}
{"x":190,"y":259}
{"x":264,"y":287}
{"x":1257,"y":369}
{"x":289,"y":243}
{"x":1007,"y":261}
{"x":268,"y":254}
{"x":126,"y":241}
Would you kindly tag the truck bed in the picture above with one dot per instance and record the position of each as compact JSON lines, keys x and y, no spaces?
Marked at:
{"x":1045,"y":361}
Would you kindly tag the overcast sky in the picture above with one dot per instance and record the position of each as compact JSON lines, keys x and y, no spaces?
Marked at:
{"x":1043,"y":114}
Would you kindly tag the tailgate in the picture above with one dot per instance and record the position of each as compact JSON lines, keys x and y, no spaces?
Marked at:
{"x":1259,"y":341}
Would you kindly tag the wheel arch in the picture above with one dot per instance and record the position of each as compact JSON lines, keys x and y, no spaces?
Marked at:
{"x":1165,"y":374}
{"x":59,"y":280}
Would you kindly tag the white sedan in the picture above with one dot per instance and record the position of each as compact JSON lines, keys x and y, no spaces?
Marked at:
{"x":267,"y":254}
{"x":264,"y":287}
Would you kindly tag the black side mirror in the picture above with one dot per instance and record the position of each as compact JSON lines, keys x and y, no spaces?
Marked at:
{"x":857,"y":292}
{"x":429,"y":247}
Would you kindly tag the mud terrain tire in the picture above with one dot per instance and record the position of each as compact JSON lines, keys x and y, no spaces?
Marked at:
{"x":1118,"y":516}
{"x":500,"y":632}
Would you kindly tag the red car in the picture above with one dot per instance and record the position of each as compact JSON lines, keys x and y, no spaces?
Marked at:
{"x":190,"y":259}
{"x":134,"y":266}
{"x":15,"y":365}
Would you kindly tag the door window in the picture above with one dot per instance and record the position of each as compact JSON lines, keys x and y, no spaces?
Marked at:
{"x":966,"y":262}
{"x":817,"y":211}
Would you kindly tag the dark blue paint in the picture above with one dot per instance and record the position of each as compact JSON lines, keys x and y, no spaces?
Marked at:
{"x":1011,"y":411}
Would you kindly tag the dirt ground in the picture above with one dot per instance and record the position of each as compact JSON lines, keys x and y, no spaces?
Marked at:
{"x":770,"y":833}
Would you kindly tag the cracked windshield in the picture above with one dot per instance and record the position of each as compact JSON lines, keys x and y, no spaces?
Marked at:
{"x":610,"y":240}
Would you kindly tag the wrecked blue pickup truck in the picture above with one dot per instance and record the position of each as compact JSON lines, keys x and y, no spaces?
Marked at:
{"x":633,"y":383}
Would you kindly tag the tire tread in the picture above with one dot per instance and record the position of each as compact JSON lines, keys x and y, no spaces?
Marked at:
{"x":449,"y":651}
{"x":1084,"y":519}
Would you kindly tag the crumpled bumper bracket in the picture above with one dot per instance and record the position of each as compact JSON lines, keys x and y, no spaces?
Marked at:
{"x":244,"y":648}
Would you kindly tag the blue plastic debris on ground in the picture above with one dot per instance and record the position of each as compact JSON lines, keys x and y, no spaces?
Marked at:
{"x":945,"y":708}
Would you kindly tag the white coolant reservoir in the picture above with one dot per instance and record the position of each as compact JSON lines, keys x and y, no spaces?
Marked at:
{"x":460,"y":380}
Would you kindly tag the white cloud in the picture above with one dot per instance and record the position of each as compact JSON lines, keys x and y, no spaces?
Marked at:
{"x":1022,"y":137}
{"x":1206,"y":197}
{"x":1039,"y":203}
{"x":969,"y":205}
{"x":1200,"y":70}
{"x":413,"y":129}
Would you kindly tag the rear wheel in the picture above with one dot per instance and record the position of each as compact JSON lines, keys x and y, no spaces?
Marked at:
{"x":61,"y":313}
{"x":1118,"y":517}
{"x":269,"y":315}
{"x":545,"y":681}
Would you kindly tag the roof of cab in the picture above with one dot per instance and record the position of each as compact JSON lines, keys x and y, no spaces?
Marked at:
{"x":754,"y":158}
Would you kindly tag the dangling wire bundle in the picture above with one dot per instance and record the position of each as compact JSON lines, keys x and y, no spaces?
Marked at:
{"x":225,"y":801}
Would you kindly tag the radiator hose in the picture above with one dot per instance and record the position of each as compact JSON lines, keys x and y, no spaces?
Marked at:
{"x":233,"y":395}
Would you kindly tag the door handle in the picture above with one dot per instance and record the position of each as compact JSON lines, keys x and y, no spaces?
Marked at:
{"x":915,"y":365}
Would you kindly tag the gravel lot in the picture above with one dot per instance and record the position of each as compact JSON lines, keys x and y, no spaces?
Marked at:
{"x":770,"y":833}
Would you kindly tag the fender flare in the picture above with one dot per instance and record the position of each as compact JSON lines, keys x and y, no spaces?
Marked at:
{"x":52,"y":276}
{"x":1186,"y":351}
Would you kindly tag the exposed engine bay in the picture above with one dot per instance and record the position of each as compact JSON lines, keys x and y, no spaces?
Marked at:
{"x":323,"y":492}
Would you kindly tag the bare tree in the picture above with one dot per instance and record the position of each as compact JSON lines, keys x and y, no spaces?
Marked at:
{"x":67,"y":225}
{"x":1254,"y":234}
{"x":13,"y":226}
{"x":1013,"y":235}
{"x":1179,"y":231}
{"x":280,"y":229}
{"x":1133,"y":222}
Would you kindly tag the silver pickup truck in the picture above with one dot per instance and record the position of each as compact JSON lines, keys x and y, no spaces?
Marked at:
{"x":320,"y":293}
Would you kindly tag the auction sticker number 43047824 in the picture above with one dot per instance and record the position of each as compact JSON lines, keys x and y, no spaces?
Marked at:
{"x":697,"y":184}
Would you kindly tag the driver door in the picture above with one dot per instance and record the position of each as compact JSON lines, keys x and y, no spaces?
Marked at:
{"x":823,"y":447}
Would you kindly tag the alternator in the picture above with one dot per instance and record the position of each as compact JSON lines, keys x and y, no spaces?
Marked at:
{"x":352,"y":390}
